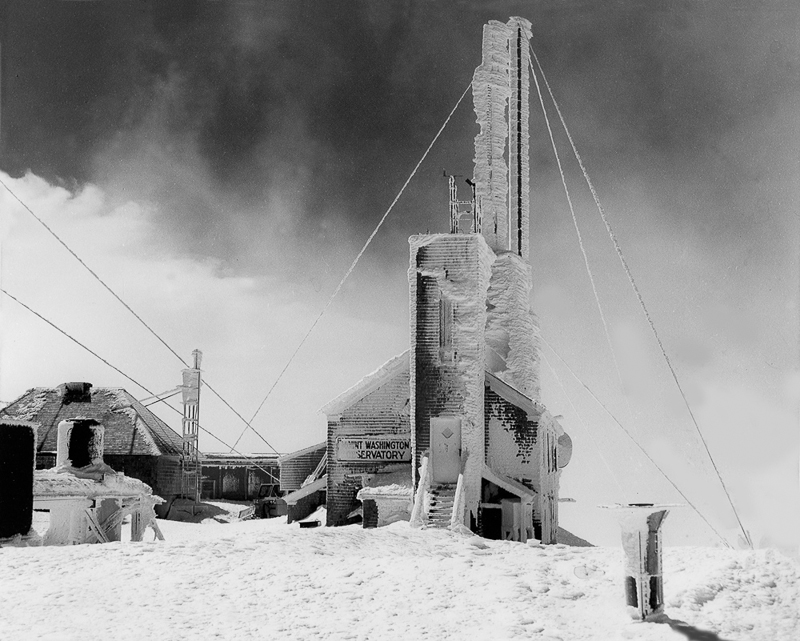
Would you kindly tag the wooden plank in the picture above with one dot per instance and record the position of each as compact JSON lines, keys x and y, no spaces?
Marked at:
{"x":114,"y":519}
{"x":157,"y":530}
{"x":95,"y":526}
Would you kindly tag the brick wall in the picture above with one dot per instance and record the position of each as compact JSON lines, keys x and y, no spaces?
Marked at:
{"x":138,"y":467}
{"x":295,"y":470}
{"x":370,"y":513}
{"x":46,"y":460}
{"x":305,"y":506}
{"x":548,"y":479}
{"x":168,"y":476}
{"x":511,"y":439}
{"x":381,"y":413}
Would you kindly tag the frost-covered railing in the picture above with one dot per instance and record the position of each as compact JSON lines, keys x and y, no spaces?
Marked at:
{"x":457,"y":518}
{"x":418,"y":511}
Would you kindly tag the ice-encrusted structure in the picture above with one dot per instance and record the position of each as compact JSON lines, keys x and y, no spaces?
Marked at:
{"x":490,"y":93}
{"x":500,"y":87}
{"x":485,"y":453}
{"x":474,"y":368}
{"x":501,"y":91}
{"x":86,"y":499}
{"x":518,"y":144}
{"x":88,"y":510}
{"x":512,"y":334}
{"x":448,"y":279}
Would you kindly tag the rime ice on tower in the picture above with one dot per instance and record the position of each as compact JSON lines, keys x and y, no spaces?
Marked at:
{"x":484,"y":451}
{"x":500,"y":86}
{"x":490,"y":92}
{"x":489,"y":447}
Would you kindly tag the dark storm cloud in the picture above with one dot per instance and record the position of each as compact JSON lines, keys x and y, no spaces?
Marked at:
{"x":696,"y":103}
{"x":210,"y":109}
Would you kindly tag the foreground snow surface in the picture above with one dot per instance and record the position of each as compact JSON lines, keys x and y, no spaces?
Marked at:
{"x":268,"y":580}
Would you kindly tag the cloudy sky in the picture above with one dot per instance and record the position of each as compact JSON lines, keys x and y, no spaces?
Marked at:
{"x":220,"y":164}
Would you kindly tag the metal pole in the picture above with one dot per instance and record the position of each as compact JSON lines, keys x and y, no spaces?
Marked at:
{"x":190,"y":459}
{"x":641,"y":541}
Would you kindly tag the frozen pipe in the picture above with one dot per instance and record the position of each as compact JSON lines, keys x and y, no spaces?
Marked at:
{"x":641,"y":540}
{"x":80,"y":442}
{"x":17,"y":463}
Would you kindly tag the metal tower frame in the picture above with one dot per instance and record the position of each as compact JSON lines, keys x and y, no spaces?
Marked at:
{"x":191,"y":477}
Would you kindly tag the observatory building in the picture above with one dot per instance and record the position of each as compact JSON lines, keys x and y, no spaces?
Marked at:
{"x":452,"y":432}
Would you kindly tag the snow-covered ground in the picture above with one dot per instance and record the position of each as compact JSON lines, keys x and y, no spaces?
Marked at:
{"x":267,"y":580}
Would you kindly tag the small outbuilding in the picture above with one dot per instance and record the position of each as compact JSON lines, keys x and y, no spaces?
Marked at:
{"x":137,"y":442}
{"x":238,"y":478}
{"x":459,"y":418}
{"x":369,"y":440}
{"x":304,"y":480}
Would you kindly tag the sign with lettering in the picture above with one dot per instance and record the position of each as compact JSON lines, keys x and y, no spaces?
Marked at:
{"x":352,"y":448}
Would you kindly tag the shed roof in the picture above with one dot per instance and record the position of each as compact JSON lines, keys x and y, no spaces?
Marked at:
{"x":399,"y":364}
{"x":317,"y":486}
{"x":130,"y":428}
{"x":509,"y":484}
{"x":319,"y":447}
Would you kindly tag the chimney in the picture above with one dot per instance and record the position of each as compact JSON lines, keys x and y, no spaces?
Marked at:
{"x":76,"y":393}
{"x":80,"y":442}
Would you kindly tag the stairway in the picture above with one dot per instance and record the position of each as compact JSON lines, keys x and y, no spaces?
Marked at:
{"x":440,"y":511}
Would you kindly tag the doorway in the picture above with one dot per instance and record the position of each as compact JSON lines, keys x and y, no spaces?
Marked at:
{"x":445,"y":449}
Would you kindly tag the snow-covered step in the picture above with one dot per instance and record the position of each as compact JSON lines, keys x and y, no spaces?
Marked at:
{"x":442,"y":499}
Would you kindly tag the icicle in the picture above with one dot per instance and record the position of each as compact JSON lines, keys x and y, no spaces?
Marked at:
{"x":490,"y":91}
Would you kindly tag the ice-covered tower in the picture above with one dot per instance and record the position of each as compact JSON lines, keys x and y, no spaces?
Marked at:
{"x":500,"y":89}
{"x":473,"y":330}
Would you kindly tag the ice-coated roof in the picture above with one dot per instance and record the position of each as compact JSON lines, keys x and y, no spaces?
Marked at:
{"x":49,"y":483}
{"x":507,"y":483}
{"x":306,"y":450}
{"x":368,"y":384}
{"x":130,"y":428}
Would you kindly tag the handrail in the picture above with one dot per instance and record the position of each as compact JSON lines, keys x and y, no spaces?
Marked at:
{"x":419,"y":497}
{"x":457,"y":517}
